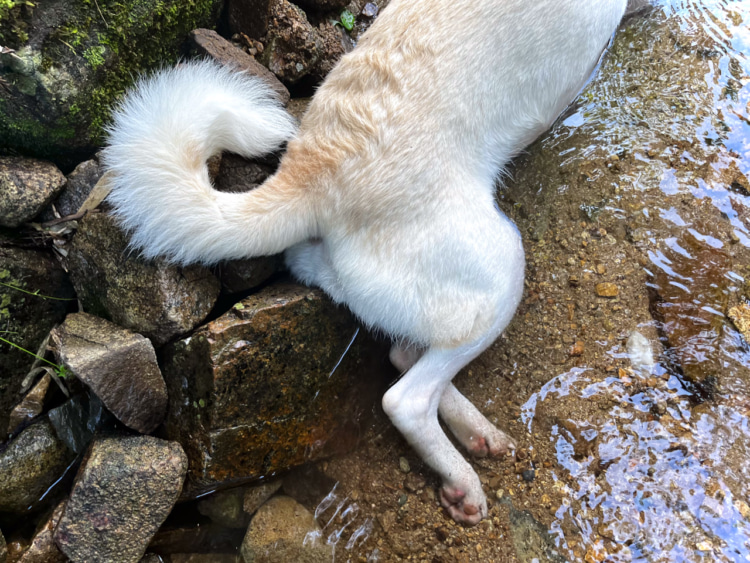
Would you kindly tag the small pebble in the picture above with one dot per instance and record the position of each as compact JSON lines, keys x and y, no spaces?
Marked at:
{"x":607,"y":289}
{"x":528,"y":475}
{"x":403,"y":465}
{"x":370,"y":10}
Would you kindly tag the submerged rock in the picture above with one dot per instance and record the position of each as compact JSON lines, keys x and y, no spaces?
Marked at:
{"x":281,"y":379}
{"x":283,"y":530}
{"x":3,"y":548}
{"x":225,"y":508}
{"x":148,"y":297}
{"x":66,"y":62}
{"x":26,"y":188}
{"x":257,"y":495}
{"x":119,"y":366}
{"x":29,"y":466}
{"x":42,"y":548}
{"x":26,"y":318}
{"x":685,"y":298}
{"x":123,"y":492}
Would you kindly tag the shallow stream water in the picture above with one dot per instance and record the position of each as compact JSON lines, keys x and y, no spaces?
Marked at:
{"x":662,"y":139}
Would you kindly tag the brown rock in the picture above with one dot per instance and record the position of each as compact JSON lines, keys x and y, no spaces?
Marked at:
{"x":607,"y":289}
{"x":238,"y":276}
{"x":281,"y":379}
{"x":292,"y":45}
{"x":282,"y":531}
{"x":210,"y":44}
{"x":123,"y":492}
{"x":29,"y":466}
{"x":149,"y":297}
{"x":119,"y":366}
{"x":30,"y":406}
{"x":27,"y":186}
{"x":42,"y":548}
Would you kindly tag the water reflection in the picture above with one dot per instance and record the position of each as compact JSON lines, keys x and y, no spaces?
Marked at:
{"x":662,"y":474}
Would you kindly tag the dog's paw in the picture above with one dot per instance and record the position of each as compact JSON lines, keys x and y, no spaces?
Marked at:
{"x":465,"y":507}
{"x":486,"y":440}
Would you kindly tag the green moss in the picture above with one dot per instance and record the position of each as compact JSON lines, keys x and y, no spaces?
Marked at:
{"x":13,"y":26}
{"x":88,"y":61}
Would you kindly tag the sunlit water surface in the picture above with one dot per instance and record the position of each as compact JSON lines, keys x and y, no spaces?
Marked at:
{"x":666,"y":475}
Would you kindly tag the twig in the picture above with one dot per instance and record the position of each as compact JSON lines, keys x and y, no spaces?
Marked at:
{"x":73,"y":217}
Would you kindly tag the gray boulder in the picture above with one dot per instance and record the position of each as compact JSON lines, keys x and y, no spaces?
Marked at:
{"x":27,"y":186}
{"x":31,"y":463}
{"x":149,"y":297}
{"x":119,"y":366}
{"x":123,"y":492}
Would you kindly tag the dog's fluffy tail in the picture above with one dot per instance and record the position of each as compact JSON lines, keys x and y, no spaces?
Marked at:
{"x":164,"y":132}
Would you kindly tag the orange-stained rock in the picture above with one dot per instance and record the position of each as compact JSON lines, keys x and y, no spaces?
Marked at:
{"x":285,"y":377}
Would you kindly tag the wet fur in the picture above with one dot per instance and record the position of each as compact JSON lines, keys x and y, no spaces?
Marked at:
{"x":385,"y":196}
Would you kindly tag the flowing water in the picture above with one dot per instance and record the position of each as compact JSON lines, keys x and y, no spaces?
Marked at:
{"x":662,"y":139}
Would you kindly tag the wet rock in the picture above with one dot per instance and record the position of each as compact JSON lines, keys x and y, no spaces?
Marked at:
{"x":151,"y":558}
{"x":30,"y":406}
{"x":281,"y":379}
{"x":124,"y":490}
{"x":69,"y":66}
{"x":76,"y":420}
{"x":26,"y":187}
{"x":148,"y":297}
{"x":119,"y":366}
{"x":256,"y":495}
{"x":3,"y":549}
{"x":210,"y":44}
{"x":282,"y":531}
{"x":79,"y":185}
{"x":225,"y":508}
{"x":294,"y":48}
{"x":531,"y":539}
{"x":29,"y":466}
{"x":26,"y":318}
{"x":42,"y":548}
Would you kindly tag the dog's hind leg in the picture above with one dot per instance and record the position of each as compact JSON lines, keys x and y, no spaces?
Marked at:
{"x":470,"y":427}
{"x":412,"y":405}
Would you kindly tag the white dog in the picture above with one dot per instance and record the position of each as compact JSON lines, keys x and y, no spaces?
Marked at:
{"x":385,"y":197}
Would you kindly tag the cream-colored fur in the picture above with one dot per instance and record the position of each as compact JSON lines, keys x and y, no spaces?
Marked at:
{"x":385,"y":194}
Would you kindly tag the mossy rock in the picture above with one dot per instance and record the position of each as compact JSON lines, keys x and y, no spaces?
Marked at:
{"x":74,"y":58}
